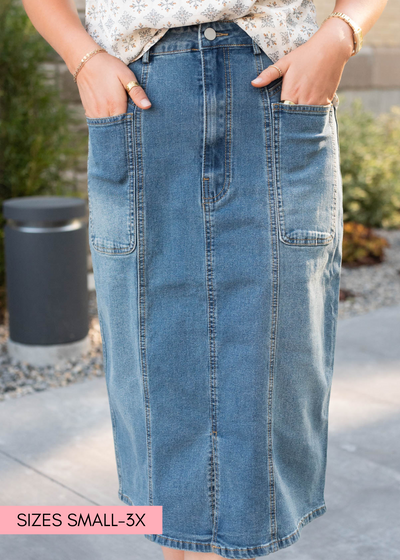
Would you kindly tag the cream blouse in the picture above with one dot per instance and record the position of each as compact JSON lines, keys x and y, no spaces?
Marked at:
{"x":128,"y":28}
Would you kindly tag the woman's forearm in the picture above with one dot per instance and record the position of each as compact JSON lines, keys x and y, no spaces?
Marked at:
{"x":364,"y":12}
{"x":102,"y":80}
{"x":312,"y":72}
{"x":59,"y":24}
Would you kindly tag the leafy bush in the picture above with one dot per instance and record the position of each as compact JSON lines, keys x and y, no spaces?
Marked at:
{"x":361,"y":245}
{"x":370,"y":165}
{"x":37,"y":141}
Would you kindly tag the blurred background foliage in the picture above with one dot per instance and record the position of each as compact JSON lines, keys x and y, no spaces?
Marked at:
{"x":370,"y":165}
{"x":361,"y":245}
{"x":37,"y":142}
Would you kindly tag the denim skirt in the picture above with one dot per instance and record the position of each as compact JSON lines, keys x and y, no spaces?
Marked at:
{"x":215,"y":229}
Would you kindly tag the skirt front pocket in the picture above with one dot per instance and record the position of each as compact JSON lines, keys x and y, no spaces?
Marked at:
{"x":306,"y":173}
{"x":111,"y":184}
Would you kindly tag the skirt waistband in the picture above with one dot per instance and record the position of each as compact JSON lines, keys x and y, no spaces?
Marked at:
{"x":196,"y":37}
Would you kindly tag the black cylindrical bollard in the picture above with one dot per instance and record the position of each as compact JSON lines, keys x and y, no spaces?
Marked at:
{"x":46,"y":269}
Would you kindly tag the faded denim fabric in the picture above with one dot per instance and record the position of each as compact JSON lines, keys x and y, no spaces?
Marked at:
{"x":216,"y":231}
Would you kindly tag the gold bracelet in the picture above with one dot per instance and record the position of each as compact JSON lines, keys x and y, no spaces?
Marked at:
{"x":85,"y":59}
{"x":357,"y":31}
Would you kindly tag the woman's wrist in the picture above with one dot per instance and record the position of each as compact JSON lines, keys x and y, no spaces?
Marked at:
{"x":77,"y":50}
{"x":338,"y":35}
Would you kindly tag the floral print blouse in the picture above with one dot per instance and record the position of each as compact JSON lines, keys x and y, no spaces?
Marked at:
{"x":128,"y":28}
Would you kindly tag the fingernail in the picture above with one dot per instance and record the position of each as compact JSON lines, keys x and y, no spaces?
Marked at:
{"x":256,"y":81}
{"x":145,"y":103}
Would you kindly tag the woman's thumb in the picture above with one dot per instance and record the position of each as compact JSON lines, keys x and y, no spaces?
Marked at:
{"x":136,"y":93}
{"x":271,"y":73}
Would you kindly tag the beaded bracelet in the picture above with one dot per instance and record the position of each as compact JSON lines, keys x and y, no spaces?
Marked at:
{"x":85,"y":59}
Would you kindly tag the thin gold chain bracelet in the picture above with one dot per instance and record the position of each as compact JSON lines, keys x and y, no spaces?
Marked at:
{"x":85,"y":59}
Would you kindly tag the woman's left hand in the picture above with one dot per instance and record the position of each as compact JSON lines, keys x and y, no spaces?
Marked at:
{"x":312,"y":72}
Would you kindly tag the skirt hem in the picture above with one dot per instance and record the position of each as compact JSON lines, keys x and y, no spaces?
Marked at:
{"x":234,"y":553}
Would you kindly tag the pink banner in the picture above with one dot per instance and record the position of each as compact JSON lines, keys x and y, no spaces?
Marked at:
{"x":80,"y":520}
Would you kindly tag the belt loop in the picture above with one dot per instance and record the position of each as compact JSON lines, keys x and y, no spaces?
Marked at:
{"x":146,"y":57}
{"x":256,"y":48}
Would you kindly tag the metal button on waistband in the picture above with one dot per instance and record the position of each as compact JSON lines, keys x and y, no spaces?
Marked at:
{"x":210,"y":33}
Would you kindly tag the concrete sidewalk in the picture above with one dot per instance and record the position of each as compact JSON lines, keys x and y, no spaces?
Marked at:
{"x":56,"y":448}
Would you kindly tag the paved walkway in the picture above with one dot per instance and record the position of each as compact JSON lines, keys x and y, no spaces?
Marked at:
{"x":56,"y":448}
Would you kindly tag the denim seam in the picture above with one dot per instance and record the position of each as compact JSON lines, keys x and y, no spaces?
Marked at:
{"x":211,"y":316}
{"x":211,"y":297}
{"x":108,"y":121}
{"x":215,"y":374}
{"x":276,"y":136}
{"x":204,"y":186}
{"x":324,"y":109}
{"x":228,"y":142}
{"x":273,"y":545}
{"x":112,"y":412}
{"x":335,"y":303}
{"x":335,"y":171}
{"x":278,"y":81}
{"x":225,"y":45}
{"x":275,"y":87}
{"x":152,"y":53}
{"x":269,"y":139}
{"x":125,"y":498}
{"x":142,"y":284}
{"x":211,"y":469}
{"x":307,"y":241}
{"x":132,"y":190}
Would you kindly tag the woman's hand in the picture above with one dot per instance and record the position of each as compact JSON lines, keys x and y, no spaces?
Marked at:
{"x":312,"y":72}
{"x":101,"y":83}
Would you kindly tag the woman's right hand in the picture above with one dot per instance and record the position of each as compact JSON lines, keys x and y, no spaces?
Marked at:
{"x":101,"y":83}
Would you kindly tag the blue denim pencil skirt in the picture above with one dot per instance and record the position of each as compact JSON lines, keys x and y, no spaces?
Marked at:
{"x":215,"y":228}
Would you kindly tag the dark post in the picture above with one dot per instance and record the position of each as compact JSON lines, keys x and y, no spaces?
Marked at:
{"x":46,"y":277}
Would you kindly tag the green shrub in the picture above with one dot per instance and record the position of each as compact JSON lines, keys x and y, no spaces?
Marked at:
{"x":37,"y":141}
{"x":370,"y":165}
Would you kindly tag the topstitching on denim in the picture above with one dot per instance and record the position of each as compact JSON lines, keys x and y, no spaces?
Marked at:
{"x":264,"y":93}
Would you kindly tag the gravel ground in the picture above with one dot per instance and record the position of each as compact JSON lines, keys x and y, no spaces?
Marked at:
{"x":19,"y":378}
{"x":373,"y":286}
{"x":367,"y":288}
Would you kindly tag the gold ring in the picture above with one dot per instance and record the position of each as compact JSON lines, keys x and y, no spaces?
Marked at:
{"x":131,"y":85}
{"x":279,"y":70}
{"x":288,"y":102}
